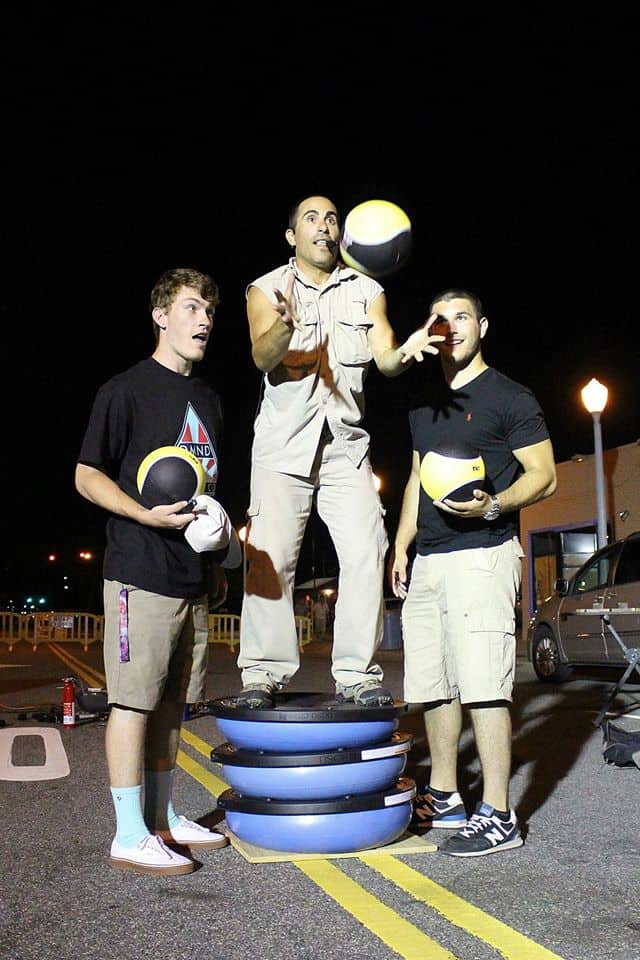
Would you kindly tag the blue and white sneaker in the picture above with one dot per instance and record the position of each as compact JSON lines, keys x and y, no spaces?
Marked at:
{"x":485,"y":833}
{"x":430,"y":813}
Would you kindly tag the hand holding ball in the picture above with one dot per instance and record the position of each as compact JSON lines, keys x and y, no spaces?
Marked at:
{"x":376,"y":238}
{"x":452,"y":474}
{"x":169,"y":474}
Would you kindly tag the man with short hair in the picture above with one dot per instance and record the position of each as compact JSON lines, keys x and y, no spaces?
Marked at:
{"x":458,"y":616}
{"x":315,"y":326}
{"x":158,"y":589}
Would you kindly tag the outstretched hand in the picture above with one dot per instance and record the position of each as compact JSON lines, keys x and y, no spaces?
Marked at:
{"x":421,"y":341}
{"x":286,"y":304}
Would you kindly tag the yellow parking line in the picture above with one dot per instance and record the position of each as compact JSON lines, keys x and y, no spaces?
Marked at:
{"x":409,"y":942}
{"x":196,"y":742}
{"x":403,"y":937}
{"x":510,"y":944}
{"x":87,"y":673}
{"x":400,"y":935}
{"x":209,"y":781}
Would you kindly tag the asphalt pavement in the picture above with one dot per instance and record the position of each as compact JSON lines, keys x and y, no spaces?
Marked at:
{"x":571,"y":891}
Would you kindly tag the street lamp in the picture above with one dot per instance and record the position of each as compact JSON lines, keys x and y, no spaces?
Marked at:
{"x":594,"y":397}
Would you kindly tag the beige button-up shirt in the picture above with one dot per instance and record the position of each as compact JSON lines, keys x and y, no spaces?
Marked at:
{"x":322,"y":375}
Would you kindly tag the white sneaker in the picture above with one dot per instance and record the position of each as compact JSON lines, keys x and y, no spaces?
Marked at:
{"x":187,"y":833}
{"x":151,"y":855}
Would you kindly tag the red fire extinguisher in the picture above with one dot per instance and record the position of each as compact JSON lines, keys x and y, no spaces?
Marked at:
{"x":68,"y":703}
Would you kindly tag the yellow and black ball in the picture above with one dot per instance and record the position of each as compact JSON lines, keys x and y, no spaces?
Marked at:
{"x":376,"y":238}
{"x":169,"y":474}
{"x":452,"y":473}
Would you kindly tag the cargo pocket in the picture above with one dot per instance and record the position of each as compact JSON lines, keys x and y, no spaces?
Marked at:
{"x":351,"y":341}
{"x":491,"y":621}
{"x":492,"y":653}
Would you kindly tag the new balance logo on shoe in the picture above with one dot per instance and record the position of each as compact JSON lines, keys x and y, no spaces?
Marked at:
{"x":498,"y":834}
{"x":485,"y":833}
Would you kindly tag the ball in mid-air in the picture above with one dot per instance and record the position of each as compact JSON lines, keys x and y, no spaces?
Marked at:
{"x":376,"y":238}
{"x":452,"y":473}
{"x":169,"y":474}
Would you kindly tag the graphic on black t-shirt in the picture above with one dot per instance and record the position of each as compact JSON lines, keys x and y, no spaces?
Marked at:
{"x":194,"y":438}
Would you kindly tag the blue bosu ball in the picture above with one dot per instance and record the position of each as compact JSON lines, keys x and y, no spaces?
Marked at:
{"x":314,"y":776}
{"x":304,"y":722}
{"x":344,"y":825}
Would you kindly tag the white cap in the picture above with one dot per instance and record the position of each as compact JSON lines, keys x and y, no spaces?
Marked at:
{"x":213,"y":531}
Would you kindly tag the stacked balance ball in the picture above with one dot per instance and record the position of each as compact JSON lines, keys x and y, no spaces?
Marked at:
{"x":309,"y":776}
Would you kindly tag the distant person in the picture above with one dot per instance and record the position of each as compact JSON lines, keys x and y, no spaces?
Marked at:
{"x":320,"y":614}
{"x":315,"y":325}
{"x":301,"y":606}
{"x":458,"y":618}
{"x":157,"y":588}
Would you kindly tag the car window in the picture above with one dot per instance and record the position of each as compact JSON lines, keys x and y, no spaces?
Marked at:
{"x":593,"y":575}
{"x":628,"y":568}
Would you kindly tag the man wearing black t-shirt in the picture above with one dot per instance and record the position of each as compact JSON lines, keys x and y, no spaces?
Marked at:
{"x":157,"y":587}
{"x":458,"y":617}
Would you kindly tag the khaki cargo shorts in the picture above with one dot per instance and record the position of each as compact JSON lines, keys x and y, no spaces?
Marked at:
{"x":458,"y":625}
{"x":168,"y":648}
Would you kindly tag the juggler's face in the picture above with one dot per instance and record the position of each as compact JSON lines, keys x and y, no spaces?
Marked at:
{"x":457,"y":322}
{"x":185,"y":327}
{"x":316,"y":237}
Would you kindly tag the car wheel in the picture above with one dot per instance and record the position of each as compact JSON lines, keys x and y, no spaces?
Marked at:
{"x":545,"y":658}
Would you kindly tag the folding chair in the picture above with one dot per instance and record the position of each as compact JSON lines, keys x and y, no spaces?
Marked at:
{"x":631,"y":654}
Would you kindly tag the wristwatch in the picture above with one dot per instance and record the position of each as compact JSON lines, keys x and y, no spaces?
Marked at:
{"x":494,"y":510}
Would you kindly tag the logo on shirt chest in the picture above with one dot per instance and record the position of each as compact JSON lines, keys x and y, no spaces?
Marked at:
{"x":195,"y":438}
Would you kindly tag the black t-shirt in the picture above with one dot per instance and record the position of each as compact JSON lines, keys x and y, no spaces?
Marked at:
{"x":492,"y":415}
{"x":146,"y":407}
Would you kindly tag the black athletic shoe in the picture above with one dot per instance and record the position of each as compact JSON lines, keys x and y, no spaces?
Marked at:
{"x":485,"y":833}
{"x":431,"y":813}
{"x":256,"y":696}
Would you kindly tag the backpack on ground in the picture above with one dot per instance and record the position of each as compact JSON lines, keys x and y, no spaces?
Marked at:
{"x":621,"y":747}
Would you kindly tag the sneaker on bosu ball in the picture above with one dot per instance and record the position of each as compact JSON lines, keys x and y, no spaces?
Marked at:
{"x":368,"y":693}
{"x":485,"y":833}
{"x":257,"y":696}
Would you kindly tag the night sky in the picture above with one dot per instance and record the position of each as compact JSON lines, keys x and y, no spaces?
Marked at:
{"x":129,"y":150}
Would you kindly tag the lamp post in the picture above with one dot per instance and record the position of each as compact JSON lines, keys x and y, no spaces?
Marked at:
{"x":594,"y":397}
